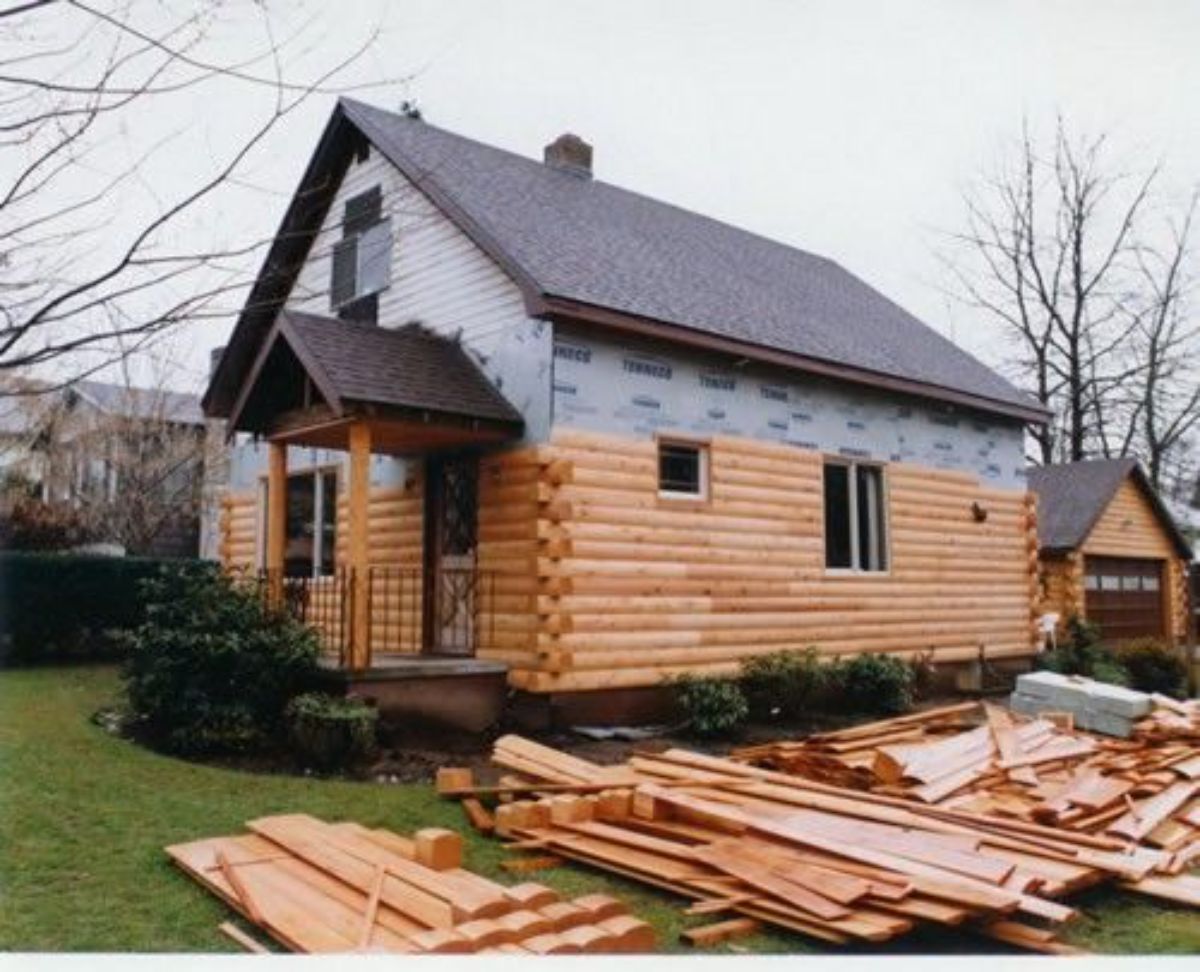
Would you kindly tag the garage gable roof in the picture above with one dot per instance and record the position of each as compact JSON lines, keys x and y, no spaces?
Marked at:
{"x":1072,"y":496}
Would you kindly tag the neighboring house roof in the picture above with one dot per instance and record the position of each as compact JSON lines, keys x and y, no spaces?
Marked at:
{"x":1072,"y":496}
{"x":408,"y":367}
{"x":147,"y":403}
{"x":581,"y":247}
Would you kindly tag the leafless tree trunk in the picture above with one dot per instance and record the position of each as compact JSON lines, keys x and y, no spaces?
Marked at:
{"x":87,"y":237}
{"x":1053,"y":251}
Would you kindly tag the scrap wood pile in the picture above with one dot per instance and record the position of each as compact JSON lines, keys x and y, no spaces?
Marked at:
{"x":1144,"y":790}
{"x":320,"y":887}
{"x":832,"y":863}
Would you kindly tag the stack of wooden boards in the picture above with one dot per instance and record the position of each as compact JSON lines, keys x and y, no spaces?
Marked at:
{"x":338,"y":887}
{"x":832,"y":863}
{"x":979,"y":759}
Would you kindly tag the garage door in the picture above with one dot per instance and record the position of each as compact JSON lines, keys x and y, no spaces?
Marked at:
{"x":1124,"y":596}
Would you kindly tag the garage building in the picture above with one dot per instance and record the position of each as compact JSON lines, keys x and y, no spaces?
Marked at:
{"x":1109,"y":551}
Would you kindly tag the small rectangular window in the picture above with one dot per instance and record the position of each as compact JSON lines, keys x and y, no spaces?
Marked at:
{"x":855,"y":517}
{"x":681,"y":469}
{"x":1149,"y":583}
{"x":1108,"y":582}
{"x":1091,"y":583}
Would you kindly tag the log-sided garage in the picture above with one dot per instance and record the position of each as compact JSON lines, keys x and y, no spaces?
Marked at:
{"x":1109,"y":550}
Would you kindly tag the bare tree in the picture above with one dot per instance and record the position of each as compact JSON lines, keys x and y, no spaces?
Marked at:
{"x":87,"y":235}
{"x":1059,"y":249}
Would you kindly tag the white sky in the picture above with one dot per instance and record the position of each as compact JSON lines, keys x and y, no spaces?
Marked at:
{"x":845,"y":128}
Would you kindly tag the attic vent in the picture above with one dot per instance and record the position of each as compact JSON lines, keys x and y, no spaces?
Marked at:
{"x":570,"y":153}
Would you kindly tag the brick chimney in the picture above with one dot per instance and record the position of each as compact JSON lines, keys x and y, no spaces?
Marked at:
{"x":570,"y":153}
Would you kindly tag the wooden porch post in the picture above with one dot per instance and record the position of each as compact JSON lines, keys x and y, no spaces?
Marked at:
{"x":357,"y":549}
{"x":276,"y":519}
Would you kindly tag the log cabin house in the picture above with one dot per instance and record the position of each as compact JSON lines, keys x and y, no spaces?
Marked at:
{"x":1110,"y":552}
{"x":497,"y":419}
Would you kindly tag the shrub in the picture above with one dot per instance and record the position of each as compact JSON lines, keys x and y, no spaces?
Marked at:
{"x":1081,"y":653}
{"x":35,"y":525}
{"x":873,"y":683}
{"x":713,"y":706}
{"x":211,"y":669}
{"x":1153,"y":666}
{"x":64,"y":607}
{"x":782,"y":684}
{"x":329,"y":732}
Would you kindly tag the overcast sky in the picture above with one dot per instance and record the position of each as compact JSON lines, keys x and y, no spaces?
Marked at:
{"x":846,"y":128}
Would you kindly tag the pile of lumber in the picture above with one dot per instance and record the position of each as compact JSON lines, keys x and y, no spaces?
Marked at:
{"x":318,"y":887}
{"x":832,"y":863}
{"x":1170,"y":720}
{"x":981,"y":759}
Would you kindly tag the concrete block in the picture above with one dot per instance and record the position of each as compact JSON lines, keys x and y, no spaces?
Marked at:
{"x":1118,"y":700}
{"x":1042,"y":685}
{"x":1107,"y":724}
{"x":1028,"y":704}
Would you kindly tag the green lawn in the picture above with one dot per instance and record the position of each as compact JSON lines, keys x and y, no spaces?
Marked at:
{"x":84,"y":817}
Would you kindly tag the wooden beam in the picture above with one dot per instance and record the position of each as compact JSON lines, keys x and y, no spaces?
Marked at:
{"x":276,"y":519}
{"x":358,"y":548}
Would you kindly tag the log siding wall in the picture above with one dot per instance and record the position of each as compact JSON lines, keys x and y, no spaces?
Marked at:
{"x":636,"y":587}
{"x":598,"y":582}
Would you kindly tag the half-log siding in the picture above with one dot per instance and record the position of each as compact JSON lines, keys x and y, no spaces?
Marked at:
{"x":636,"y":587}
{"x":595,"y":581}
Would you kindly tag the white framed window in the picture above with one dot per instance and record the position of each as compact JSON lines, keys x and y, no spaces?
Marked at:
{"x":682,"y":470}
{"x":310,"y":533}
{"x":855,"y":517}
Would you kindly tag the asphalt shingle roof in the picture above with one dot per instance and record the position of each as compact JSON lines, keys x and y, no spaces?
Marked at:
{"x":1071,"y":497}
{"x":409,"y":367}
{"x":588,"y":241}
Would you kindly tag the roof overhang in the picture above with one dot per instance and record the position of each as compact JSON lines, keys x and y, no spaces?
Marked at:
{"x":559,"y":308}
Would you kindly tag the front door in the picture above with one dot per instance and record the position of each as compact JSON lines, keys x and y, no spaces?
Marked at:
{"x":451,"y":528}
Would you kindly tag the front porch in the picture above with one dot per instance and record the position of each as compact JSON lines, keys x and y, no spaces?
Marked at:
{"x":397,"y":626}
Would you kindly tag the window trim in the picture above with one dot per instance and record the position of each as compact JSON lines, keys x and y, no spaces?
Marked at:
{"x":704,"y":493}
{"x":856,"y":569}
{"x":318,"y":472}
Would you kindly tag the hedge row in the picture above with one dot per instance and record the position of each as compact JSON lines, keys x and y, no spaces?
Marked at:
{"x":57,"y":607}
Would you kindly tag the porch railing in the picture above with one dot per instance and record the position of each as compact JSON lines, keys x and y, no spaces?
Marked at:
{"x":461,"y":612}
{"x":322,"y":603}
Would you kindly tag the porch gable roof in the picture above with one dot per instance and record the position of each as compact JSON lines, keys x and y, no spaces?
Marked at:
{"x":408,"y":368}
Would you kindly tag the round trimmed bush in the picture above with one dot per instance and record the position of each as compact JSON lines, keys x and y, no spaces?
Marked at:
{"x":330,"y":732}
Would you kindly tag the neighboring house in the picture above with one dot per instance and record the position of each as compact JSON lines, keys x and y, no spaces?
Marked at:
{"x":128,"y":459}
{"x":1110,"y":551}
{"x":491,"y":406}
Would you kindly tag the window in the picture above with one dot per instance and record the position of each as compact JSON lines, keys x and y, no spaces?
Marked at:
{"x":310,"y":544}
{"x":855,"y":521}
{"x":362,"y":258}
{"x":682,"y":470}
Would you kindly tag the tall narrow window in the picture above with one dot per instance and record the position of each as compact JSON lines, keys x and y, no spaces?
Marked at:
{"x":855,"y":517}
{"x":838,"y":546}
{"x":310,"y":544}
{"x":362,"y":258}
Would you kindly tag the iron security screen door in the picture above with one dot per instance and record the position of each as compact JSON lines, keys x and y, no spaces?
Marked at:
{"x":451,"y":578}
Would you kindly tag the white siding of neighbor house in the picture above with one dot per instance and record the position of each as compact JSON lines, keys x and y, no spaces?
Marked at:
{"x":443,"y":280}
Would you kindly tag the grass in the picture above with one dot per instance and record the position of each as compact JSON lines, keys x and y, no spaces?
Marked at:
{"x":84,"y":817}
